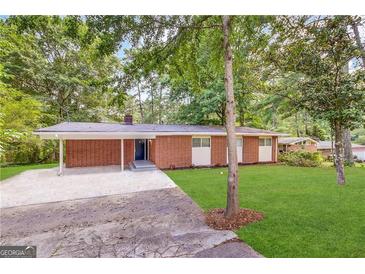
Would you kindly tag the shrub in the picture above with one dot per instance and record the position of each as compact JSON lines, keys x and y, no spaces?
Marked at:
{"x":301,"y":158}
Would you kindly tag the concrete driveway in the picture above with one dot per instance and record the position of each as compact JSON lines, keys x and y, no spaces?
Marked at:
{"x":44,"y":186}
{"x":150,"y":218}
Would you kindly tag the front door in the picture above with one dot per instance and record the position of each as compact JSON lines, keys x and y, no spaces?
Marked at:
{"x":265,"y":149}
{"x":201,"y":151}
{"x":140,"y":149}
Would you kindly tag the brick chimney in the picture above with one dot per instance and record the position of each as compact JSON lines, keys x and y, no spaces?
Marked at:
{"x":128,"y":119}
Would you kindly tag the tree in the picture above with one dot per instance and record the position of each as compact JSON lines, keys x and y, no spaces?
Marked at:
{"x":51,"y":63}
{"x":354,"y":25}
{"x":19,"y":115}
{"x":232,"y":191}
{"x":51,"y":58}
{"x":316,"y":49}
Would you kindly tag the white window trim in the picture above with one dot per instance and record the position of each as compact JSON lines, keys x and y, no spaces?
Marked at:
{"x":265,"y":138}
{"x":202,"y":148}
{"x":201,"y":137}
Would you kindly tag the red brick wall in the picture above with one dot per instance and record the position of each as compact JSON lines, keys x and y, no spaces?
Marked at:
{"x":326,"y":153}
{"x":310,"y":148}
{"x":173,"y":151}
{"x":128,"y":151}
{"x":250,"y":149}
{"x":164,"y":151}
{"x":83,"y":153}
{"x":218,"y":150}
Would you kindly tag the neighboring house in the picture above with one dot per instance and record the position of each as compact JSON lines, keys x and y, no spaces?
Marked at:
{"x":287,"y":144}
{"x":326,"y":148}
{"x":167,"y":146}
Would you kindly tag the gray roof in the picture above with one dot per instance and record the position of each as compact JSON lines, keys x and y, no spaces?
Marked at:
{"x":292,"y":140}
{"x":327,"y":145}
{"x":154,"y":128}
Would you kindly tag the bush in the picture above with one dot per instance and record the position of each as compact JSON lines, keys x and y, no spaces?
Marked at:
{"x":301,"y":158}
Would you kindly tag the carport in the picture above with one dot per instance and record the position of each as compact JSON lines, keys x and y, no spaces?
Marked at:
{"x":86,"y":147}
{"x":96,"y":149}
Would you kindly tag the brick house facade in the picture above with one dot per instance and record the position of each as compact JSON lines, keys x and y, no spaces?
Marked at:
{"x":291,"y":144}
{"x":166,"y":152}
{"x":167,"y":146}
{"x":309,"y":147}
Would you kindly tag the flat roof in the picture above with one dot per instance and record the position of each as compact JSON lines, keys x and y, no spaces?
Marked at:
{"x":293,"y":140}
{"x":85,"y":127}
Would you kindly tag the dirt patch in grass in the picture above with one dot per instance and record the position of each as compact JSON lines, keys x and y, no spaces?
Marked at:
{"x":215,"y":219}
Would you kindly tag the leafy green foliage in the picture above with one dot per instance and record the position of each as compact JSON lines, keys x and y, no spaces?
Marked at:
{"x":301,"y":158}
{"x":315,"y":51}
{"x":47,"y":56}
{"x":51,"y":71}
{"x":20,"y":114}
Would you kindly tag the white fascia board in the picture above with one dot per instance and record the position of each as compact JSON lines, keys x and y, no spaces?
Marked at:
{"x":306,"y":139}
{"x":136,"y":135}
{"x":94,"y":135}
{"x":217,"y":134}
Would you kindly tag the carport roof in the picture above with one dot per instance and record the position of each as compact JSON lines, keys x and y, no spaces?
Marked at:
{"x":294,"y":140}
{"x":83,"y":127}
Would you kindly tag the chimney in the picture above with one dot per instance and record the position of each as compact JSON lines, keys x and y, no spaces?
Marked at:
{"x":128,"y":119}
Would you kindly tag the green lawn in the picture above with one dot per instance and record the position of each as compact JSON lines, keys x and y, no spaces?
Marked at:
{"x":6,"y":172}
{"x":306,"y":213}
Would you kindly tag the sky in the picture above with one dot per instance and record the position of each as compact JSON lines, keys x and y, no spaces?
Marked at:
{"x":124,"y":46}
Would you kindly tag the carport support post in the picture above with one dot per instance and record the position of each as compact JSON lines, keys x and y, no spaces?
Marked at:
{"x":122,"y":154}
{"x":60,"y":170}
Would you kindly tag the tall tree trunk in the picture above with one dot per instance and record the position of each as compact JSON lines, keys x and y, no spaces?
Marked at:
{"x":152,"y":106}
{"x":160,"y":106}
{"x":140,"y":103}
{"x":339,"y":153}
{"x":349,"y":157}
{"x":232,"y":189}
{"x":306,"y":130}
{"x":297,"y":124}
{"x":358,"y":42}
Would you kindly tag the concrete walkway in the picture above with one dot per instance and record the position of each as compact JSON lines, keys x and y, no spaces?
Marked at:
{"x":44,"y":186}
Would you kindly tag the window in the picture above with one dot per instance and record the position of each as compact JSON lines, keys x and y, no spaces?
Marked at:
{"x":197,"y":142}
{"x":201,"y":142}
{"x":205,"y":142}
{"x":239,"y":142}
{"x":265,"y":142}
{"x":262,"y":142}
{"x":268,"y":142}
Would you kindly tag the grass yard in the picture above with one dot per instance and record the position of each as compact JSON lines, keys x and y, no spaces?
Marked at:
{"x":7,"y":172}
{"x":306,"y":213}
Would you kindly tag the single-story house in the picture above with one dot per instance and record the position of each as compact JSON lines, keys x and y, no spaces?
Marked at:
{"x":326,"y":148}
{"x":287,"y":144}
{"x":166,"y":146}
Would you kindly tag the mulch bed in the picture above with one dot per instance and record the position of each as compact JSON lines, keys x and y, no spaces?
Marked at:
{"x":215,"y":219}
